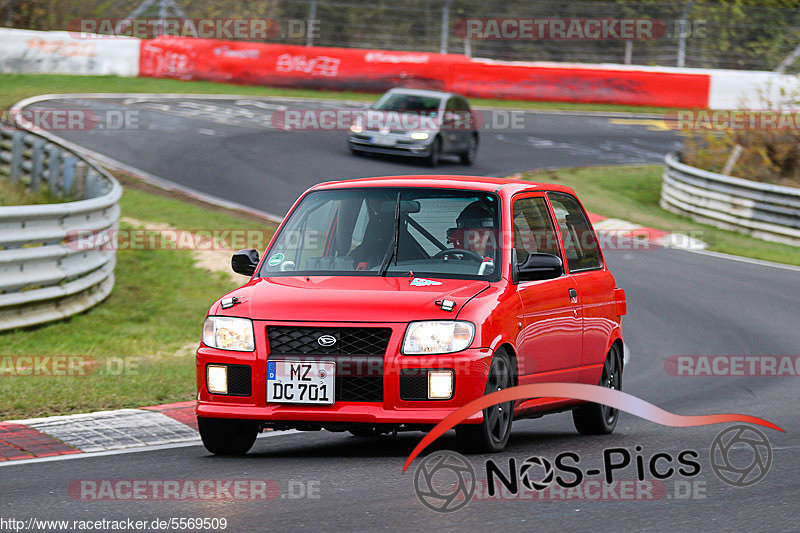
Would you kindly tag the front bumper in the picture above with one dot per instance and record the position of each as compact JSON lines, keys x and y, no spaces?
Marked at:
{"x":470,"y":372}
{"x":402,"y":146}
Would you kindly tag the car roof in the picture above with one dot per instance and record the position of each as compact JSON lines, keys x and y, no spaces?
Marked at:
{"x":421,"y":92}
{"x":478,"y":183}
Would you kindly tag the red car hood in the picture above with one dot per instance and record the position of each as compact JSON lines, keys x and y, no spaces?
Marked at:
{"x":348,"y":298}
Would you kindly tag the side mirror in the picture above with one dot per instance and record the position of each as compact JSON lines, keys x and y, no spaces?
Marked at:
{"x":539,"y":266}
{"x":244,"y":262}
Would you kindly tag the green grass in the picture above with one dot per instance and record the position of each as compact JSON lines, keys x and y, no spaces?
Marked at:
{"x":19,"y":86}
{"x":151,"y":320}
{"x":19,"y":194}
{"x":143,"y":205}
{"x":632,"y":193}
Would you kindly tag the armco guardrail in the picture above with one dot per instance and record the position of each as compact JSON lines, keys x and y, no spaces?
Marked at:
{"x":44,"y":276}
{"x":765,"y":211}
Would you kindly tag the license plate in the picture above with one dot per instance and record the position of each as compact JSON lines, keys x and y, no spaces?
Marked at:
{"x":383,"y":141}
{"x":309,"y":382}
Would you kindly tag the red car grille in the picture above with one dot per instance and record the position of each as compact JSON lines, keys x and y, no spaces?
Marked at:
{"x":358,"y":353}
{"x":291,"y":340}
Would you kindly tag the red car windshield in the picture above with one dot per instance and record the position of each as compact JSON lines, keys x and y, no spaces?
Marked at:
{"x":442,"y":233}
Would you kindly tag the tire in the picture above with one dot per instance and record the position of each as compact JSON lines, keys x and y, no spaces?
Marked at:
{"x":492,"y":434}
{"x":596,"y":419}
{"x":222,"y":436}
{"x":468,"y":157}
{"x":432,"y":159}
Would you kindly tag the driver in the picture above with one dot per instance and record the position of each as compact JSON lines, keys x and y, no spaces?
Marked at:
{"x":475,"y":230}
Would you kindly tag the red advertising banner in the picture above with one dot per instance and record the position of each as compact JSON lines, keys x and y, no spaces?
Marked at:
{"x":378,"y":70}
{"x":292,"y":66}
{"x":571,"y":84}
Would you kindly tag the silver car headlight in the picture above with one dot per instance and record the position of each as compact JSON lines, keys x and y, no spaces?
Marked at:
{"x":229,"y":333}
{"x":437,"y":337}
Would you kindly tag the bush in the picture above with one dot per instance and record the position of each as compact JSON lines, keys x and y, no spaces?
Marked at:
{"x":770,"y":151}
{"x":766,"y":156}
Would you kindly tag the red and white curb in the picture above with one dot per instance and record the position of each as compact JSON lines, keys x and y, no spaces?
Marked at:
{"x":609,"y":229}
{"x":97,"y":432}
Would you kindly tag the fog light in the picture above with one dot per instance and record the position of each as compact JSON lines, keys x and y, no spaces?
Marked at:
{"x":217,"y":379}
{"x":440,"y":384}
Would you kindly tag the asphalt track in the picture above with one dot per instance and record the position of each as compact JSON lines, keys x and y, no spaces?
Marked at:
{"x":230,"y":148}
{"x":680,"y":303}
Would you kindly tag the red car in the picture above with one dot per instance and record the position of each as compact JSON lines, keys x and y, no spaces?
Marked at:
{"x":383,"y":304}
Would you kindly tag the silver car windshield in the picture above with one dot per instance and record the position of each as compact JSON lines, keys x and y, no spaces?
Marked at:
{"x":443,"y":233}
{"x":408,"y":103}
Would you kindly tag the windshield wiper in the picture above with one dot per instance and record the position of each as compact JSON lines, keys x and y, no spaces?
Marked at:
{"x":392,"y":252}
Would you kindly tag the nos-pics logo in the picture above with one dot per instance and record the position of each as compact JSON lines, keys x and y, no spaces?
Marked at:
{"x":445,"y":481}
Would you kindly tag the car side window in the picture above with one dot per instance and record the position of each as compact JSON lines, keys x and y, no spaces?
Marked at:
{"x":533,"y":228}
{"x":466,"y":114}
{"x":457,"y":110}
{"x":450,"y":113}
{"x":580,"y":244}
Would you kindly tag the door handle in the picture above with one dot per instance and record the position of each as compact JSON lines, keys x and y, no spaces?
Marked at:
{"x":573,"y":293}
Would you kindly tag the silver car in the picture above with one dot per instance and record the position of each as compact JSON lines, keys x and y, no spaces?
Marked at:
{"x":417,"y":123}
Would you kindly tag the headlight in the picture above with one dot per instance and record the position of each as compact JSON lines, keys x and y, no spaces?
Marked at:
{"x":229,"y":333}
{"x":419,"y":135}
{"x":356,"y":128}
{"x":435,"y":337}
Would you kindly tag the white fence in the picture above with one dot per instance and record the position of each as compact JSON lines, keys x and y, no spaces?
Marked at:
{"x":59,"y":52}
{"x":765,"y":211}
{"x":44,"y":275}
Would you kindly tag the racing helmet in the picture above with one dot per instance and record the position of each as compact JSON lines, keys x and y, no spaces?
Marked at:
{"x":475,"y":230}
